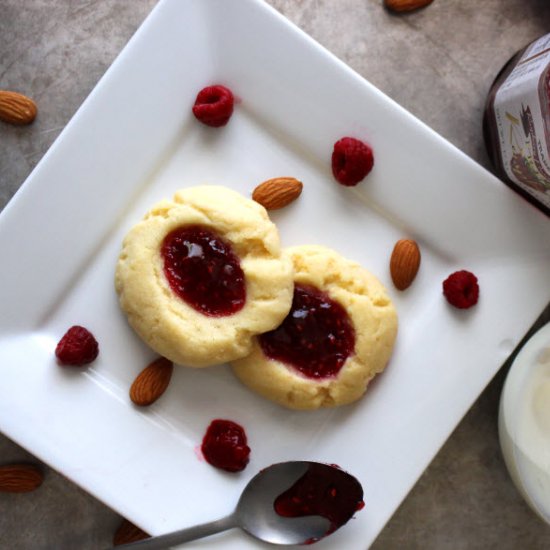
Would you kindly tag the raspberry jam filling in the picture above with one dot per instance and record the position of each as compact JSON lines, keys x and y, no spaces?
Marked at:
{"x":225,"y":446}
{"x":327,"y":492}
{"x":316,"y":337}
{"x":203,"y":271}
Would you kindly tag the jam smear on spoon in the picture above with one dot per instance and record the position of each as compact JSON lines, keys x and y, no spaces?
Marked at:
{"x":322,"y":491}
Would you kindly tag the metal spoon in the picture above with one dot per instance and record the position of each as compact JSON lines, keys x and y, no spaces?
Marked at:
{"x":255,"y":513}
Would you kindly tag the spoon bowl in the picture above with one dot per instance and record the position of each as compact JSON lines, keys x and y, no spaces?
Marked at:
{"x":287,"y":503}
{"x":257,"y":514}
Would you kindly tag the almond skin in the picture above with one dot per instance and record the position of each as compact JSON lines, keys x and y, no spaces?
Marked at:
{"x":406,"y":5}
{"x":16,"y":108}
{"x":404,"y":263}
{"x":127,"y":533}
{"x":151,"y":382}
{"x":277,"y":192}
{"x":20,"y":478}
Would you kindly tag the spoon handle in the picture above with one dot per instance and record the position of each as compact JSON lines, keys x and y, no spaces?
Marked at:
{"x":184,"y":535}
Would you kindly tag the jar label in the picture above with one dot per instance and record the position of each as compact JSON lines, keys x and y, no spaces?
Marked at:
{"x":522,"y":114}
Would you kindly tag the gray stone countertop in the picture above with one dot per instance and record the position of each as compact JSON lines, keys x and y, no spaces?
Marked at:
{"x":438,"y":63}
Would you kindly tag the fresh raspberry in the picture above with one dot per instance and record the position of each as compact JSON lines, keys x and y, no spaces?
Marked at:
{"x":461,"y":289}
{"x":225,"y":446}
{"x":77,"y":347}
{"x":214,"y":106}
{"x":352,"y":160}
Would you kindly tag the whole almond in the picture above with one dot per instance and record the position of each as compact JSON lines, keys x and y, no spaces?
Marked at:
{"x":406,"y":5}
{"x":151,"y":382}
{"x":404,"y":263}
{"x":277,"y":192}
{"x":16,"y":108}
{"x":20,"y":478}
{"x":127,"y":533}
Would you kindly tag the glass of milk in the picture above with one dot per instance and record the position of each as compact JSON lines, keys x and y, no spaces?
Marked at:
{"x":524,"y":422}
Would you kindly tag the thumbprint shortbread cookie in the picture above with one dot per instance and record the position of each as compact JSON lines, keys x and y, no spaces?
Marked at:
{"x":202,"y":274}
{"x":338,"y":335}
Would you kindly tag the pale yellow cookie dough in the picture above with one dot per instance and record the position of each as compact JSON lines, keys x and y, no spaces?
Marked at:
{"x":373,"y":317}
{"x":167,"y":323}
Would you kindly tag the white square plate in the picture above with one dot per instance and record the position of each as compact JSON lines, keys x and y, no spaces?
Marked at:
{"x":135,"y":141}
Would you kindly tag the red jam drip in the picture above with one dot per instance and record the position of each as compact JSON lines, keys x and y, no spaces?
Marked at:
{"x":316,"y":337}
{"x":224,"y":446}
{"x":203,"y":271}
{"x":322,"y":491}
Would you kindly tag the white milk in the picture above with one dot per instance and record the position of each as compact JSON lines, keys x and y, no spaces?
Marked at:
{"x":524,"y":422}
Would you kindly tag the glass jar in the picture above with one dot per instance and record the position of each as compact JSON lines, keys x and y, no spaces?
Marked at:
{"x":524,"y":422}
{"x":516,"y":124}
